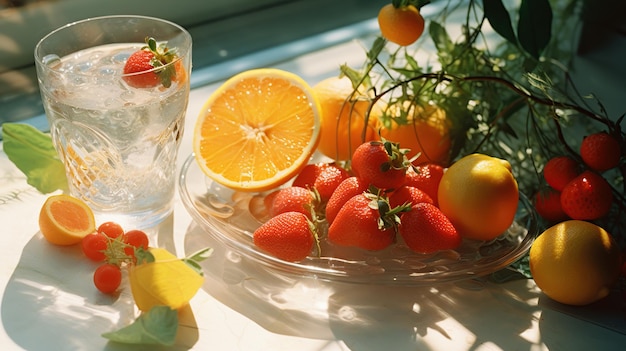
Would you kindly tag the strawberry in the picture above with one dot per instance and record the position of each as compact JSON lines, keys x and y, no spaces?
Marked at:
{"x":425,"y":177}
{"x":600,"y":151}
{"x":294,"y":199}
{"x":365,"y":221}
{"x":306,"y":177}
{"x":149,"y":67}
{"x":408,"y":195}
{"x":324,"y":177}
{"x":380,"y":163}
{"x":587,"y":197}
{"x":289,"y":236}
{"x":548,"y":205}
{"x":559,"y":171}
{"x":345,"y":191}
{"x":425,"y":229}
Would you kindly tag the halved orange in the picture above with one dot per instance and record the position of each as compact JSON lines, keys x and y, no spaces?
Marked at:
{"x":257,"y":130}
{"x":65,"y":220}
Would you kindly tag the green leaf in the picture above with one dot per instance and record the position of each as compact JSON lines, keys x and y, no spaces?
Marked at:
{"x":143,"y":256}
{"x":442,"y":41}
{"x":377,"y":47}
{"x":157,"y":326}
{"x":534,"y":27}
{"x":499,"y":19}
{"x":194,"y":259}
{"x":34,"y":154}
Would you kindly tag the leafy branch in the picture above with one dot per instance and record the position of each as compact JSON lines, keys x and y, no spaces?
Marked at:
{"x":511,"y":97}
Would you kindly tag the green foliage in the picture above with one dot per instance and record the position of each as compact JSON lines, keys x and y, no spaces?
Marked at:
{"x":507,"y":91}
{"x":157,"y":326}
{"x":496,"y":92}
{"x":33,"y":153}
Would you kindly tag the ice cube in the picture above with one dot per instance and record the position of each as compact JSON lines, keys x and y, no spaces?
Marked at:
{"x":51,"y":60}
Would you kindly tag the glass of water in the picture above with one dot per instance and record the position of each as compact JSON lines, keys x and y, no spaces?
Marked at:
{"x":117,"y":133}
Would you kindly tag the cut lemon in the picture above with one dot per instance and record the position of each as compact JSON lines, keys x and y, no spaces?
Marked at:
{"x":257,"y":130}
{"x":168,"y":281}
{"x":65,"y":220}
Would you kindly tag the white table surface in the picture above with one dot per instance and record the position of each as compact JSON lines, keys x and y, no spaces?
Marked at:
{"x":48,"y":302}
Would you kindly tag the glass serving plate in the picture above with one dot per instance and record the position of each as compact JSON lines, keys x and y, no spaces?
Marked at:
{"x":231,"y":217}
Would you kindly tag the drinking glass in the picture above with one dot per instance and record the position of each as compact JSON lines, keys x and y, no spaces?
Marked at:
{"x":119,"y":142}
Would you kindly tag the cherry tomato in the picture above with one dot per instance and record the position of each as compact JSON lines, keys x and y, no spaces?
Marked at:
{"x":111,"y":229}
{"x":135,"y":238}
{"x":107,"y":278}
{"x":93,"y":246}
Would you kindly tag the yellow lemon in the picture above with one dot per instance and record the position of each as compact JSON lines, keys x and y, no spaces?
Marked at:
{"x":168,"y":281}
{"x":479,"y":194}
{"x":65,"y":220}
{"x":575,"y":262}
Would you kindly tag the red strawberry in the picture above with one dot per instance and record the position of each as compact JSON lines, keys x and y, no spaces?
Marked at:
{"x":149,"y":67}
{"x":306,"y":177}
{"x":289,"y":236}
{"x":408,"y":194}
{"x":294,"y":199}
{"x":426,"y":177}
{"x":381,"y":164}
{"x":324,"y":177}
{"x":548,"y":205}
{"x":345,"y":191}
{"x":363,"y":223}
{"x":600,"y":151}
{"x":425,"y":229}
{"x":587,"y":197}
{"x":559,"y":171}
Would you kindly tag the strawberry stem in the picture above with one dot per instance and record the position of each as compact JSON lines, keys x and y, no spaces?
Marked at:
{"x":163,"y":56}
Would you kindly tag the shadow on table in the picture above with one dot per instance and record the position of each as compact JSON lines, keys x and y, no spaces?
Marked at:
{"x":607,"y":317}
{"x":50,"y":302}
{"x":366,"y":317}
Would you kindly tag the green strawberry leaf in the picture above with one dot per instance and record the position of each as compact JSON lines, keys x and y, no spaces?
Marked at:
{"x":34,"y":154}
{"x":157,"y":326}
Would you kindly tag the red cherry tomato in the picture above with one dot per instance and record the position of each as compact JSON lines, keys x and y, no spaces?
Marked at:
{"x":135,"y":238}
{"x":107,"y":278}
{"x":93,"y":246}
{"x":111,"y":229}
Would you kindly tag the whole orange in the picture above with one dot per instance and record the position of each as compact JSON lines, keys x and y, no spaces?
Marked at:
{"x":422,"y":129}
{"x":401,"y":25}
{"x":344,"y":121}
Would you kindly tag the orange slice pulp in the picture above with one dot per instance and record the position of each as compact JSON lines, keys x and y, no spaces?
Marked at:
{"x":257,"y":130}
{"x":65,"y":220}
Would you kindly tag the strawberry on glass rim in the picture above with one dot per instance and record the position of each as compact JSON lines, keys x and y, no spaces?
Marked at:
{"x":150,"y":66}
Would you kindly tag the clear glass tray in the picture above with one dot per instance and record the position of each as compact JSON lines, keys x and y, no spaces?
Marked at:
{"x":231,"y":218}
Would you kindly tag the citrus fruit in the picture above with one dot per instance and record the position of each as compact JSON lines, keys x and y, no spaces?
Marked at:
{"x":65,"y":220}
{"x":424,"y":130}
{"x":575,"y":262}
{"x":168,"y":281}
{"x":343,"y":118}
{"x":401,"y":25}
{"x":479,"y":194}
{"x":257,"y":130}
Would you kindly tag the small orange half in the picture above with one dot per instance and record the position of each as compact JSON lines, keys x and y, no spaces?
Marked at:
{"x":65,"y":220}
{"x":257,"y":130}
